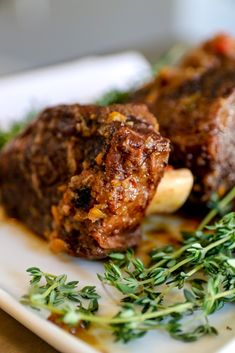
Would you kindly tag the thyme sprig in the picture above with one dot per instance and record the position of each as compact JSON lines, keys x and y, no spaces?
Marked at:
{"x":56,"y":294}
{"x":175,"y":292}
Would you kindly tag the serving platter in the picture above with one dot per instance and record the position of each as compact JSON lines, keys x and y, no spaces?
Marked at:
{"x":21,"y":249}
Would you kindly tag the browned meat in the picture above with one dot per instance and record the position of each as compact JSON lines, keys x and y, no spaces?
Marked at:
{"x":196,"y":110}
{"x":217,"y":51}
{"x":83,"y":176}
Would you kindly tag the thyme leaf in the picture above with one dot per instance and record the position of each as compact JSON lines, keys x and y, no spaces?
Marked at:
{"x":176,"y":292}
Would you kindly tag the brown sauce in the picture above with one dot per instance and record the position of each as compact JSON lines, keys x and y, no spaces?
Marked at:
{"x":163,"y":230}
{"x":158,"y":231}
{"x":86,"y":335}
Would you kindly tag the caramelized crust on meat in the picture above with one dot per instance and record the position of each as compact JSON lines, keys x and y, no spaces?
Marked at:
{"x":83,"y":176}
{"x":216,"y":51}
{"x":196,"y":111}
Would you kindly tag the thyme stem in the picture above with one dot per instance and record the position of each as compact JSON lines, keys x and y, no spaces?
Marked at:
{"x":223,"y":203}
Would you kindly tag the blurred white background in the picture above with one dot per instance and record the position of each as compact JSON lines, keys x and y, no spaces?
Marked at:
{"x":40,"y":32}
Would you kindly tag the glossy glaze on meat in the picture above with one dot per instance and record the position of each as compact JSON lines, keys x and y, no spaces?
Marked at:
{"x":83,"y":176}
{"x":195,"y":108}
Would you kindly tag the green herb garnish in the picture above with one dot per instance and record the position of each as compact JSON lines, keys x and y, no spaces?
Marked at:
{"x":170,"y":57}
{"x":114,"y":96}
{"x":59,"y":296}
{"x":175,"y":292}
{"x":15,"y":128}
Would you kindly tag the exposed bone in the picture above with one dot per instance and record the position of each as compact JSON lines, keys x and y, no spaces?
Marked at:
{"x":172,"y":192}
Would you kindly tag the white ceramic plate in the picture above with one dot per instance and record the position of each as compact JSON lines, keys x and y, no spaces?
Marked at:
{"x":19,"y":249}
